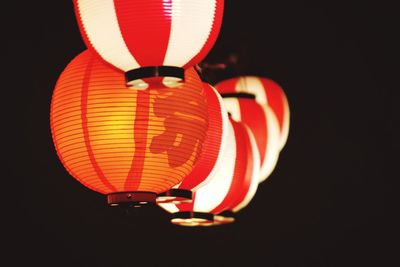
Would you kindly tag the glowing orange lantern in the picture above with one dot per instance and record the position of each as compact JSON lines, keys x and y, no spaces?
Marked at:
{"x":214,"y":147}
{"x":232,"y":186}
{"x":150,"y":38}
{"x":267,"y":92}
{"x":127,"y":144}
{"x":264,"y":125}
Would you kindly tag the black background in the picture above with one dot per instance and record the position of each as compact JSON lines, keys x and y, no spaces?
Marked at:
{"x":327,"y":202}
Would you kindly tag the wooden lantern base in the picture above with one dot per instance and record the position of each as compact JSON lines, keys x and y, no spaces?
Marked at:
{"x":135,"y":199}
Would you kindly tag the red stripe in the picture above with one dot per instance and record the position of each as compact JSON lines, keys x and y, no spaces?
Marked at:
{"x":211,"y":145}
{"x":240,"y":169}
{"x":84,"y":109}
{"x":248,"y":175}
{"x":53,"y":132}
{"x":227,"y":86}
{"x":253,"y":115}
{"x":132,"y":182}
{"x":145,"y":26}
{"x":212,"y":37}
{"x":275,"y":98}
{"x":187,"y":206}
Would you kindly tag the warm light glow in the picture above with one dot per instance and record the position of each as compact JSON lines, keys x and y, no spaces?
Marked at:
{"x":214,"y":145}
{"x":234,"y":184}
{"x":138,"y":84}
{"x":113,"y":139}
{"x":218,"y":219}
{"x":211,"y":194}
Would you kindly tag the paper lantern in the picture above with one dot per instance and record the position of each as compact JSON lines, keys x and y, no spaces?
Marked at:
{"x":266,"y":91}
{"x":127,"y":144}
{"x":246,"y":189}
{"x":214,"y":147}
{"x":150,"y":38}
{"x":234,"y":183}
{"x":264,"y":125}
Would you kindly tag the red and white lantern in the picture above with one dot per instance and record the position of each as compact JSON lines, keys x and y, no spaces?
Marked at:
{"x":214,"y":147}
{"x":233,"y":184}
{"x":264,"y":125}
{"x":150,"y":38}
{"x":266,"y":91}
{"x":130,"y":145}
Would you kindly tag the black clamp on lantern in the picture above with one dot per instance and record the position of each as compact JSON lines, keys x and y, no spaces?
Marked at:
{"x":171,"y":76}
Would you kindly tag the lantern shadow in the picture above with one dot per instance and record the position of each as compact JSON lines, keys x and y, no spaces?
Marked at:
{"x":144,"y":215}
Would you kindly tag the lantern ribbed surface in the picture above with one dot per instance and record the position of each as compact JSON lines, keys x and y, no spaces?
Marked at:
{"x":233,"y":185}
{"x":210,"y":195}
{"x":135,"y":34}
{"x":247,"y":190}
{"x":247,"y":165}
{"x":267,"y":92}
{"x":265,"y":127}
{"x":114,"y":139}
{"x":214,"y":145}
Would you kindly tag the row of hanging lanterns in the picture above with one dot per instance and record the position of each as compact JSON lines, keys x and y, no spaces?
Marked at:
{"x":132,"y":119}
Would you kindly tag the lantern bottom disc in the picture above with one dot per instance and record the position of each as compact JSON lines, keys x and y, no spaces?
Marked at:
{"x":172,"y":75}
{"x":135,"y":199}
{"x":238,"y":95}
{"x":188,"y":218}
{"x":224,"y":218}
{"x":175,"y":196}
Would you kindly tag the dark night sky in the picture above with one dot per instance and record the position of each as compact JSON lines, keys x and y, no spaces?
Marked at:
{"x":327,"y":202}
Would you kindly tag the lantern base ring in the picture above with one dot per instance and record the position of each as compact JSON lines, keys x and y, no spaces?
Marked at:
{"x":190,"y":218}
{"x":134,"y":199}
{"x":172,"y":76}
{"x":238,"y":95}
{"x":224,"y":217}
{"x":175,"y":195}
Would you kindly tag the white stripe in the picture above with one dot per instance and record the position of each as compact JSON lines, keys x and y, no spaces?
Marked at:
{"x":210,"y":195}
{"x":233,"y":107}
{"x":191,"y":25}
{"x":273,"y":144}
{"x":100,"y":22}
{"x":224,"y":140}
{"x":214,"y":192}
{"x":252,"y":85}
{"x":169,"y":207}
{"x":286,"y":123}
{"x":255,"y":173}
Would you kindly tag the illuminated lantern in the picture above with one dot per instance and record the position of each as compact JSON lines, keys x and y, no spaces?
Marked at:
{"x":214,"y":147}
{"x":233,"y":184}
{"x":267,"y":92}
{"x":264,"y":125}
{"x":130,"y":145}
{"x":150,"y":38}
